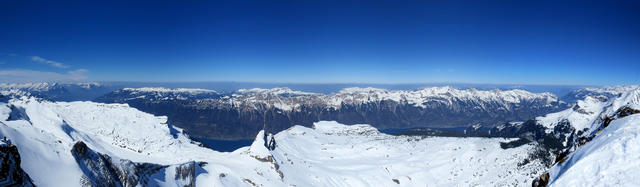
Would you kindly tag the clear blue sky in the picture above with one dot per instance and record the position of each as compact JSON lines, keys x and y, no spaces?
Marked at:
{"x":306,"y":41}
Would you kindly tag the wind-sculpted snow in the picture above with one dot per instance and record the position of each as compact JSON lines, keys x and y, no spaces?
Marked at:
{"x":84,"y":142}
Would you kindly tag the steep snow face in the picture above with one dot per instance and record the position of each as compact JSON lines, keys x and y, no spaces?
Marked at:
{"x":610,"y":159}
{"x":328,"y":154}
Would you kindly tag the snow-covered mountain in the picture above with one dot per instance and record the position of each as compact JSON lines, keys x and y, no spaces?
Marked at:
{"x":94,"y":144}
{"x":113,"y":144}
{"x":211,"y":114}
{"x":158,"y":93}
{"x":595,"y":139}
{"x":62,"y":91}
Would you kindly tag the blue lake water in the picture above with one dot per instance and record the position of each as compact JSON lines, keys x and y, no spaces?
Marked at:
{"x":224,"y":145}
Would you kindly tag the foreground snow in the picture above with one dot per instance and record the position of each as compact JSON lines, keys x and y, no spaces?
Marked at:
{"x":358,"y":155}
{"x":328,"y":154}
{"x":610,"y":159}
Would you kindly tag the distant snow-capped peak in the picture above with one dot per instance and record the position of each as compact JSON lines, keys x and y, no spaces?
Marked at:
{"x":286,"y":99}
{"x":46,"y":86}
{"x":274,"y":91}
{"x":439,"y":94}
{"x":170,"y":90}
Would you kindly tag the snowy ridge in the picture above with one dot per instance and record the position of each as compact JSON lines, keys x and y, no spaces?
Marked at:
{"x":604,"y":149}
{"x":48,"y":136}
{"x":614,"y":90}
{"x":169,"y":90}
{"x":586,"y":114}
{"x":159,"y":93}
{"x":273,"y":91}
{"x":439,"y":94}
{"x":44,"y":86}
{"x":28,"y":86}
{"x":45,"y":133}
{"x":581,"y":116}
{"x":287,"y":99}
{"x":610,"y":92}
{"x":419,"y":98}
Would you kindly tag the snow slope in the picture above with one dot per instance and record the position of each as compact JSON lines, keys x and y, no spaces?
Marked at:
{"x":588,"y":114}
{"x":45,"y":139}
{"x":610,"y":159}
{"x":358,"y":155}
{"x":330,"y":154}
{"x":607,"y":151}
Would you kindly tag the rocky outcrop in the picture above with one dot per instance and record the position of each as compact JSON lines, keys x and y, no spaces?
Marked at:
{"x":11,"y":174}
{"x":102,"y":170}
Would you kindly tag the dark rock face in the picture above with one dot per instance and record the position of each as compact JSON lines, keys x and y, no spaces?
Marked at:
{"x":187,"y":172}
{"x":529,"y":131}
{"x":217,"y":117}
{"x":10,"y":172}
{"x":102,"y":170}
{"x":18,"y":113}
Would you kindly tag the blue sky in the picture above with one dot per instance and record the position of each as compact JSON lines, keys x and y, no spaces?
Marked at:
{"x":513,"y":42}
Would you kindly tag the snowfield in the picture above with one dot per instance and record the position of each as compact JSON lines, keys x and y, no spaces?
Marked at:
{"x":330,"y":154}
{"x":358,"y":155}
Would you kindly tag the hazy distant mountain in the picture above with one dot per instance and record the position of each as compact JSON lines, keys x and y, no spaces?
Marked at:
{"x":63,"y":91}
{"x":239,"y":115}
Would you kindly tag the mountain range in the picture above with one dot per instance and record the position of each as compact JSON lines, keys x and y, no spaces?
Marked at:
{"x":241,"y":114}
{"x":97,"y":144}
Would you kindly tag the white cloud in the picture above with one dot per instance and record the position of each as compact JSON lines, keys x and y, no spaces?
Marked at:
{"x":49,"y":62}
{"x":22,"y":75}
